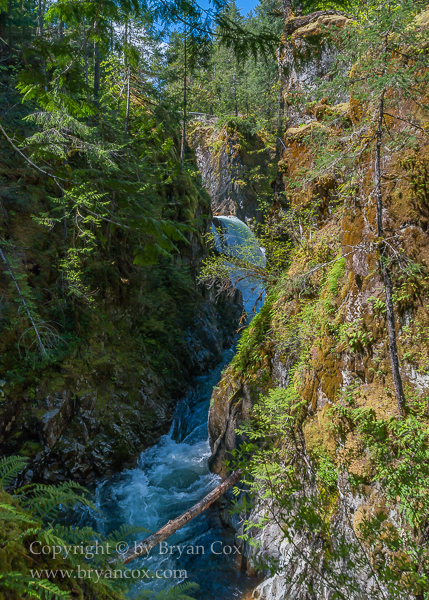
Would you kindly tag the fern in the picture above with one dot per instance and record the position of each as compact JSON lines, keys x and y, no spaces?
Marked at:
{"x":17,"y":582}
{"x":47,"y":590}
{"x":31,"y":516}
{"x":8,"y":512}
{"x":10,"y":467}
{"x":42,"y":589}
{"x":125,"y":531}
{"x":46,"y":500}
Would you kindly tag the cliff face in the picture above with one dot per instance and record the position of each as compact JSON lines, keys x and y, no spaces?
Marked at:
{"x":226,"y":158}
{"x":300,"y":66}
{"x":304,"y":56}
{"x":323,"y":328}
{"x":110,"y":388}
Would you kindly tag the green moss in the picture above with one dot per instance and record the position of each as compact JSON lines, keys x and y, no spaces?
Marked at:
{"x":30,"y":449}
{"x":252,"y":347}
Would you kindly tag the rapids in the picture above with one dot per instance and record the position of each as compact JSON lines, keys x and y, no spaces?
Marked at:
{"x":173,"y":475}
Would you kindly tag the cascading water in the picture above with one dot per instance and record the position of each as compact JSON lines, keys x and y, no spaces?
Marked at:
{"x":173,"y":475}
{"x":234,"y":238}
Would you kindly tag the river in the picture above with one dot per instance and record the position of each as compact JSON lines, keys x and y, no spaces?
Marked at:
{"x":172,"y":476}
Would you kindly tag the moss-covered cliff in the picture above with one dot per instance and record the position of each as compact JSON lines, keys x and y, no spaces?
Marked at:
{"x":236,"y":166}
{"x":321,"y":344}
{"x":118,"y":363}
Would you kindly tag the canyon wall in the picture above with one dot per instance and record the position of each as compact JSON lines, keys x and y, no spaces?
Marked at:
{"x":121,"y":363}
{"x":226,"y":155}
{"x":346,"y":350}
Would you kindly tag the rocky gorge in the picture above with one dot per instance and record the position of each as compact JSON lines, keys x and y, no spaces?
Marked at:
{"x":95,"y":409}
{"x":333,"y":461}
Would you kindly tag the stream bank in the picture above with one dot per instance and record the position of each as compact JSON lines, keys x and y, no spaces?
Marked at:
{"x":120,"y":361}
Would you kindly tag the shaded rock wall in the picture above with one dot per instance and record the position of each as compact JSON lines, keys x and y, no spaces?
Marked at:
{"x":224,"y":158}
{"x":111,"y":388}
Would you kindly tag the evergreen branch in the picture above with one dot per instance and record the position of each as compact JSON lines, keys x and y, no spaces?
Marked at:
{"x":8,"y":45}
{"x":223,"y":21}
{"x":30,"y":318}
{"x":82,"y":46}
{"x":54,"y":177}
{"x":407,"y":121}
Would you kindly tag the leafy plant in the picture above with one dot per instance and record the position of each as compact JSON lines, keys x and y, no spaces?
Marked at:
{"x":30,"y":519}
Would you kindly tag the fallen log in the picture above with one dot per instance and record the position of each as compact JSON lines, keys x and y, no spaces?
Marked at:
{"x":144,"y":546}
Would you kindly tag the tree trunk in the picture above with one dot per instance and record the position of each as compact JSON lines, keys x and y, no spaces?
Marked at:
{"x":3,"y":30}
{"x":40,"y":18}
{"x":9,"y":19}
{"x":127,"y":112}
{"x":128,"y":69}
{"x":280,"y":117}
{"x":40,"y":344}
{"x":85,"y":58}
{"x":391,"y":329}
{"x":182,"y":148}
{"x":235,"y":95}
{"x":287,"y":8}
{"x":171,"y":527}
{"x":40,"y":13}
{"x":97,"y":61}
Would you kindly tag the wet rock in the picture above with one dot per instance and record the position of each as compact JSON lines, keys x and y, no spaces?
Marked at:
{"x":62,"y":409}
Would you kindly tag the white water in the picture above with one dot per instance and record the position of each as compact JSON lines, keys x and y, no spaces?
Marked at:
{"x":172,"y":476}
{"x":169,"y":478}
{"x":235,"y":238}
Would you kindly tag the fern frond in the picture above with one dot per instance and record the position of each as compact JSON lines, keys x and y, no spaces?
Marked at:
{"x":48,"y":590}
{"x":17,"y":582}
{"x":46,"y":500}
{"x":8,"y":512}
{"x":42,"y":589}
{"x":51,"y":539}
{"x":125,"y":531}
{"x":10,"y":467}
{"x":179,"y":592}
{"x":78,"y":535}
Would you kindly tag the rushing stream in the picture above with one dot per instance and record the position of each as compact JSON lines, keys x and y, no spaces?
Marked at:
{"x":235,"y":238}
{"x":169,"y":478}
{"x":172,"y":476}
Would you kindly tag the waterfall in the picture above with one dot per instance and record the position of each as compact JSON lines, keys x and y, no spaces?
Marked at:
{"x":234,"y":238}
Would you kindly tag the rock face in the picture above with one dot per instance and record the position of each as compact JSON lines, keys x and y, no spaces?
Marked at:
{"x":286,"y":584}
{"x":89,"y":422}
{"x":333,"y":362}
{"x":85,"y":420}
{"x":305,"y":57}
{"x":300,"y":66}
{"x":112,"y":387}
{"x":224,"y":161}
